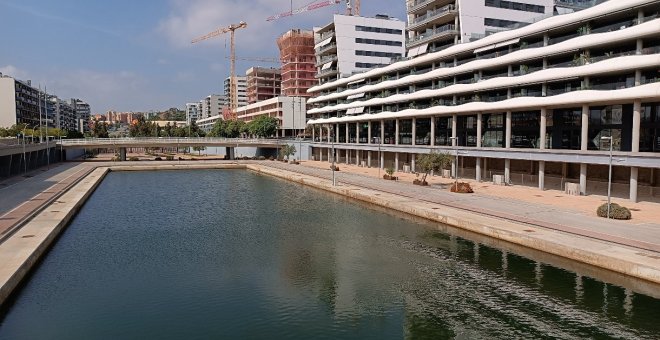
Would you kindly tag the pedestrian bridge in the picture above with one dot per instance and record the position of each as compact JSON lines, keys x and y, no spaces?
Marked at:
{"x":158,"y":142}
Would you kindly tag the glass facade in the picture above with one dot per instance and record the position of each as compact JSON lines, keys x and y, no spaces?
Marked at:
{"x":390,"y":132}
{"x":649,"y":133}
{"x":492,"y":130}
{"x":364,"y":132}
{"x":609,"y":121}
{"x":352,"y":130}
{"x":423,"y":131}
{"x":341,"y":130}
{"x":525,"y":129}
{"x":564,"y":129}
{"x":405,"y":131}
{"x":443,"y":131}
{"x":375,"y":132}
{"x":467,"y":130}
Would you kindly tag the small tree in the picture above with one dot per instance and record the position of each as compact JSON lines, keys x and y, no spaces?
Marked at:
{"x":287,"y":150}
{"x":432,"y":162}
{"x":199,"y":149}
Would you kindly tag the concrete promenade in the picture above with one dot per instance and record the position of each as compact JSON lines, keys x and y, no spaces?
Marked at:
{"x":622,"y":247}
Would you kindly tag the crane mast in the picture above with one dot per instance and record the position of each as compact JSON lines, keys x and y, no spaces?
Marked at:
{"x":233,"y":86}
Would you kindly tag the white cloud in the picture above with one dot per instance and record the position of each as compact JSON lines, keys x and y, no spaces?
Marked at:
{"x":14,"y":72}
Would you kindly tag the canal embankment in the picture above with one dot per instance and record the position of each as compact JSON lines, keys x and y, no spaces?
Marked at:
{"x":23,"y":250}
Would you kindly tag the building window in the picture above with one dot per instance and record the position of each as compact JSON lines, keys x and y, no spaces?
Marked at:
{"x":467,"y":130}
{"x":342,"y":133}
{"x":443,"y":127}
{"x":378,"y":42}
{"x":525,"y":129}
{"x":405,"y":131}
{"x":517,"y":6}
{"x":375,"y":132}
{"x":423,"y":131}
{"x":369,"y":65}
{"x":378,"y":30}
{"x":649,"y":132}
{"x":377,"y":54}
{"x":608,"y":121}
{"x":364,"y":132}
{"x":493,"y":130}
{"x":563,"y":129}
{"x":501,"y":22}
{"x":390,"y":132}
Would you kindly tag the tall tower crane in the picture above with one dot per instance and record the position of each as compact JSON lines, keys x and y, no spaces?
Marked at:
{"x":352,"y":8}
{"x":233,"y":87}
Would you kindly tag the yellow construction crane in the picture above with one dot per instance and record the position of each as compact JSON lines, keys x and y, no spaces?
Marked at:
{"x":352,"y":8}
{"x":233,"y":87}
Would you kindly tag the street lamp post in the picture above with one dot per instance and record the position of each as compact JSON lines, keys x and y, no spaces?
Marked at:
{"x":377,"y":139}
{"x":609,"y":180}
{"x":332,"y":139}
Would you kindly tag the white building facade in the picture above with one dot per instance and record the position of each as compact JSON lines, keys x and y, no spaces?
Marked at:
{"x":536,"y":104}
{"x":192,"y":112}
{"x":437,"y":24}
{"x":241,"y":85}
{"x":354,"y":44}
{"x":290,"y":111}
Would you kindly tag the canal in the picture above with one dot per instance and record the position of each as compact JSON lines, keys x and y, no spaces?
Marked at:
{"x":233,"y":254}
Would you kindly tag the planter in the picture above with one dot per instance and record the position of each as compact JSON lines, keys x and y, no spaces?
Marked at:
{"x":420,"y":183}
{"x":336,"y":168}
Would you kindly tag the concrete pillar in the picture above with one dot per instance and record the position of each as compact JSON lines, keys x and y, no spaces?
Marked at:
{"x":122,"y":154}
{"x":382,"y":131}
{"x":412,"y":163}
{"x":583,"y":179}
{"x":348,"y":139}
{"x":478,"y":170}
{"x":454,"y":129}
{"x":542,"y":175}
{"x":357,"y":157}
{"x":230,"y":152}
{"x":347,"y":159}
{"x":396,"y":133}
{"x":396,"y":161}
{"x":485,"y":170}
{"x":432,"y":131}
{"x":584,"y":136}
{"x":507,"y":171}
{"x":382,"y":160}
{"x":414,"y":131}
{"x":329,"y":155}
{"x":313,"y":133}
{"x":479,"y":118}
{"x":357,"y":132}
{"x":640,"y":46}
{"x":369,"y":134}
{"x":369,"y":159}
{"x":543,"y":128}
{"x":507,"y":137}
{"x":637,"y":109}
{"x":634,"y":172}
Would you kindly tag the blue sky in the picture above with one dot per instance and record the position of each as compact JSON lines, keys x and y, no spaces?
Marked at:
{"x":130,"y":55}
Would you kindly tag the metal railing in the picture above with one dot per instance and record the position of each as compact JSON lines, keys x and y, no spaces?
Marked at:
{"x":432,"y":15}
{"x":166,"y":140}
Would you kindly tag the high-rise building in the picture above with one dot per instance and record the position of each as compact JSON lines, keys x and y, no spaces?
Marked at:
{"x":298,"y":62}
{"x":211,"y":106}
{"x":263,"y":83}
{"x":241,"y":86}
{"x":437,"y":24}
{"x":192,"y":112}
{"x":63,"y":114}
{"x":538,"y":105}
{"x":83,"y":114}
{"x":19,"y":102}
{"x":354,"y":44}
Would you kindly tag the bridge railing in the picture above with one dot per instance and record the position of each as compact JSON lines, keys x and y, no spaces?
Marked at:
{"x":171,"y":140}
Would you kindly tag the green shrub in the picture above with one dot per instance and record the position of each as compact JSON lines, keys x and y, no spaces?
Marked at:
{"x":389,"y":171}
{"x":133,"y":159}
{"x":158,"y":159}
{"x":617,"y":212}
{"x":462,"y":188}
{"x":169,"y":157}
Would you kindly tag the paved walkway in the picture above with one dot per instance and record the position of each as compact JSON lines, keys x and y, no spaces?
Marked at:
{"x":21,"y":197}
{"x":643,"y":236}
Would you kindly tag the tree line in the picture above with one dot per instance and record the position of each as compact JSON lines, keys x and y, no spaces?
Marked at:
{"x":261,"y":127}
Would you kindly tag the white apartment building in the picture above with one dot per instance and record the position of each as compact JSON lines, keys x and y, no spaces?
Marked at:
{"x":437,"y":24}
{"x":290,"y":111}
{"x":354,"y":44}
{"x":192,"y":112}
{"x":241,"y":85}
{"x":211,"y":106}
{"x":538,"y":105}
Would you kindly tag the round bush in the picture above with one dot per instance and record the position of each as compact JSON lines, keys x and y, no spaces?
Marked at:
{"x":617,"y":212}
{"x":463,"y":188}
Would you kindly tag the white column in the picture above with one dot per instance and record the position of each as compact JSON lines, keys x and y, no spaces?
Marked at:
{"x":358,"y":153}
{"x":412,"y":163}
{"x":382,"y":160}
{"x":396,"y":133}
{"x":313,"y":133}
{"x":454,"y":132}
{"x":347,"y":153}
{"x":369,"y":134}
{"x":637,"y":109}
{"x":543,"y":128}
{"x":584,"y":137}
{"x":478,"y":170}
{"x":507,"y":171}
{"x":396,"y":160}
{"x":479,"y":118}
{"x":357,"y":132}
{"x":507,"y":137}
{"x":583,"y":179}
{"x":542,"y":175}
{"x":347,"y":136}
{"x":414,"y":131}
{"x":382,"y":131}
{"x":432,"y":131}
{"x":634,"y":172}
{"x":369,"y":159}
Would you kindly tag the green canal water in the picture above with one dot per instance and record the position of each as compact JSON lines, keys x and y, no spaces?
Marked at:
{"x":235,"y":255}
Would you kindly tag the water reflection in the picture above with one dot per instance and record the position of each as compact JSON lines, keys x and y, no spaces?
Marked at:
{"x":236,"y":255}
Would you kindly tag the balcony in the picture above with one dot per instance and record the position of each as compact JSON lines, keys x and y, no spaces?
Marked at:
{"x":327,"y":73}
{"x":325,"y":60}
{"x":432,"y":17}
{"x":419,"y":5}
{"x":432,"y":35}
{"x":332,"y":47}
{"x":325,"y":35}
